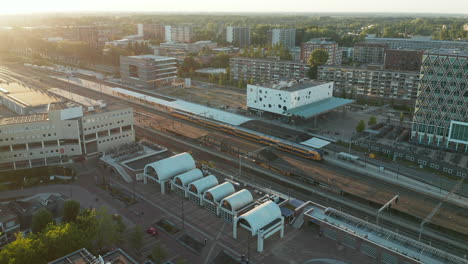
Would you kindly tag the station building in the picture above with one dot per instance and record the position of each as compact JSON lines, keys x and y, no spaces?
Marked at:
{"x":60,"y":135}
{"x":23,"y":100}
{"x":299,"y":99}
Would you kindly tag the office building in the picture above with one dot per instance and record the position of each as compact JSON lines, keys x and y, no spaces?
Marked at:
{"x":262,"y":70}
{"x":187,"y":47}
{"x":153,"y":31}
{"x":238,"y":36}
{"x":369,"y":53}
{"x":181,"y":33}
{"x":441,"y":111}
{"x":403,"y":60}
{"x":282,"y":36}
{"x":371,"y":81}
{"x":417,"y":43}
{"x":60,"y":135}
{"x":147,"y":71}
{"x":334,"y":55}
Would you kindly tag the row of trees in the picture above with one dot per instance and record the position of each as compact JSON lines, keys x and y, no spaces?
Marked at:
{"x":96,"y":230}
{"x":267,"y":51}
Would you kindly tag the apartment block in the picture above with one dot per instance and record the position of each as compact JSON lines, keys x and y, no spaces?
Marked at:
{"x":403,"y":60}
{"x":417,"y":43}
{"x":147,"y":71}
{"x":153,"y":31}
{"x":441,"y":112}
{"x":87,"y":34}
{"x":238,"y":36}
{"x":262,"y":70}
{"x":369,"y":53}
{"x":371,"y":81}
{"x":60,"y":135}
{"x":181,"y":33}
{"x":282,"y":36}
{"x":334,"y":54}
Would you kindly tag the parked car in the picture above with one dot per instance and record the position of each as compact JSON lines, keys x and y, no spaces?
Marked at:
{"x":152,"y":231}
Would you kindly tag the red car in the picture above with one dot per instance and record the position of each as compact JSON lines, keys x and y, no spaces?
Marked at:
{"x":152,"y":231}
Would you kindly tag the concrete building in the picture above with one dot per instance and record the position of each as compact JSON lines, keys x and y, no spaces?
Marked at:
{"x":187,"y":47}
{"x":238,"y":36}
{"x":168,"y":33}
{"x":417,"y":43}
{"x":295,"y":53}
{"x":83,"y":256}
{"x":261,"y":70}
{"x":369,"y":53}
{"x":441,"y":112}
{"x":282,"y":36}
{"x":153,"y":31}
{"x":371,"y":81}
{"x":9,"y":224}
{"x":403,"y":60}
{"x":334,"y":55}
{"x":23,"y":100}
{"x":60,"y":135}
{"x":147,"y":71}
{"x":181,"y":33}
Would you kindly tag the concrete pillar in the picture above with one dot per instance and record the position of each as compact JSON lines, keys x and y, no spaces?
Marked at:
{"x":234,"y":227}
{"x":282,"y":228}
{"x":315,"y":121}
{"x":163,"y":187}
{"x":201,"y":200}
{"x":260,"y":242}
{"x":145,"y":179}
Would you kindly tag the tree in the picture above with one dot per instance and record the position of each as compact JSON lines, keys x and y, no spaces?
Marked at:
{"x":60,"y":240}
{"x":136,"y":238}
{"x":361,"y":126}
{"x":41,"y":219}
{"x":106,"y":231}
{"x":372,"y":121}
{"x":317,"y":58}
{"x":24,"y":250}
{"x":402,"y":118}
{"x":181,"y":261}
{"x":158,"y":254}
{"x":71,"y":209}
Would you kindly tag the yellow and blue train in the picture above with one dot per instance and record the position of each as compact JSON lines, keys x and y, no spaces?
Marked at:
{"x":281,"y":144}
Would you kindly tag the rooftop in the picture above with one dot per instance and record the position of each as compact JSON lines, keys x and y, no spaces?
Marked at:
{"x":418,"y":40}
{"x":23,"y":119}
{"x":321,"y":41}
{"x":211,"y":70}
{"x":152,"y":57}
{"x":450,"y":52}
{"x":25,"y":96}
{"x":319,"y":107}
{"x":291,"y":86}
{"x":274,"y":59}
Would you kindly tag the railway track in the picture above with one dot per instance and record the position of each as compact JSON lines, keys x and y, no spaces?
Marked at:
{"x":323,"y":197}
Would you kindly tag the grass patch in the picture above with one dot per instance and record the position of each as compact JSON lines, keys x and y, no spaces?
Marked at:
{"x":167,"y":226}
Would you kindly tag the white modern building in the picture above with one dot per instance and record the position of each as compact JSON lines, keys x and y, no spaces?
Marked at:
{"x":197,"y":188}
{"x":298,"y":99}
{"x":180,"y":182}
{"x":61,"y":135}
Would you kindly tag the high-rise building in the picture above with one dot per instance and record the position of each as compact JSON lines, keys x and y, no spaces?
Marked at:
{"x":181,"y":33}
{"x":334,"y":54}
{"x":441,"y":111}
{"x":261,"y":70}
{"x":371,"y":82}
{"x":147,"y":71}
{"x":282,"y":36}
{"x":369,"y":53}
{"x":87,"y":34}
{"x":403,"y":60}
{"x":153,"y":31}
{"x":239,"y":36}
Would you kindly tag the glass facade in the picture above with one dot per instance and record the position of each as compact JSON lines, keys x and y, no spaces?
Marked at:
{"x":459,"y":132}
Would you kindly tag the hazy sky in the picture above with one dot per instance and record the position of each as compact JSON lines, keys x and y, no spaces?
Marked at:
{"x":423,"y":6}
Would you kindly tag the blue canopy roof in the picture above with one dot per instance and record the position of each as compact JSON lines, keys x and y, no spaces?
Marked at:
{"x":319,"y":107}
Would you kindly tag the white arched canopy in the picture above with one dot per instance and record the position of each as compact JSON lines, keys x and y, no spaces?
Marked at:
{"x":170,"y":167}
{"x":261,"y":216}
{"x":237,"y":200}
{"x":203,"y":184}
{"x":217,"y":193}
{"x":186,"y":178}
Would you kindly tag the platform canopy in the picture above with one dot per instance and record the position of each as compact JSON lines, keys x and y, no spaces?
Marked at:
{"x":319,"y":107}
{"x":217,"y":193}
{"x":203,"y":184}
{"x":237,"y":200}
{"x":261,"y":216}
{"x":186,"y":178}
{"x":316,"y":143}
{"x":170,"y":167}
